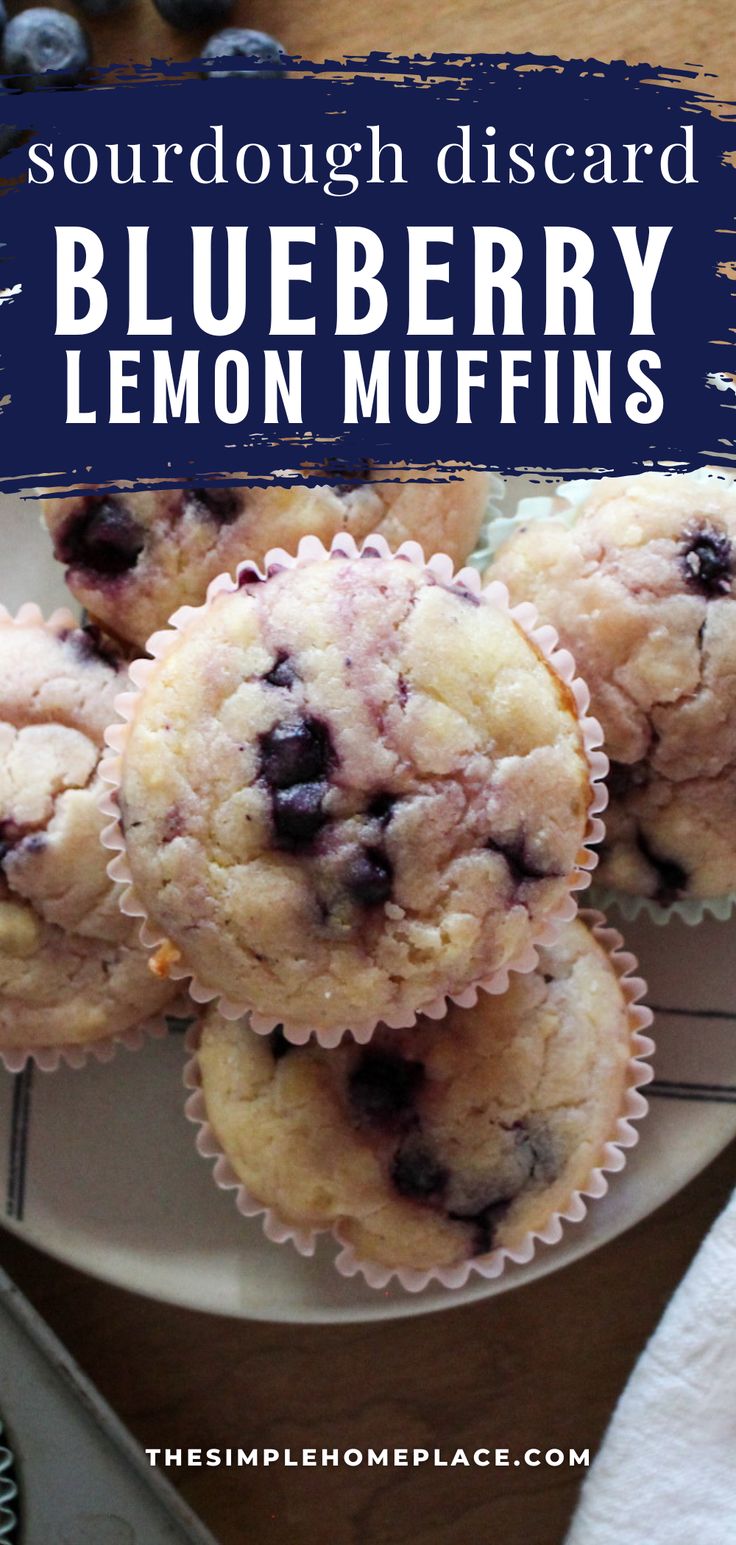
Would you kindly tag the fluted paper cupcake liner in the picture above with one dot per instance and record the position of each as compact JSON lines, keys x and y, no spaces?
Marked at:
{"x":223,"y":1174}
{"x":612,"y":1160}
{"x":564,"y":505}
{"x":543,"y":638}
{"x":76,"y":1055}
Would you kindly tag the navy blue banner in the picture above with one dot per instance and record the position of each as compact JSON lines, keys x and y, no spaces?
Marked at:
{"x":468,"y":260}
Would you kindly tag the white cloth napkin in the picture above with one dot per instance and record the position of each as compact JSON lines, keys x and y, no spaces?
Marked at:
{"x":666,"y":1473}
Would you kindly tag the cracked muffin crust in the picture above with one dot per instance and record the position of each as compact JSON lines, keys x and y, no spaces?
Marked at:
{"x":439,"y":1143}
{"x":350,"y":789}
{"x":642,"y":588}
{"x":71,"y":969}
{"x":133,"y":558}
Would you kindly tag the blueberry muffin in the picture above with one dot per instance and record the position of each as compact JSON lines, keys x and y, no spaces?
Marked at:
{"x":349,"y":789}
{"x":133,"y":558}
{"x":641,"y":587}
{"x":437,"y":1144}
{"x":71,"y":968}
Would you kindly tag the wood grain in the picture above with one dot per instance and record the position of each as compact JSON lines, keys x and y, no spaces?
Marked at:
{"x":539,"y":1366}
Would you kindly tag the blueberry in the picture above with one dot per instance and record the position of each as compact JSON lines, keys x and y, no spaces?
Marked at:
{"x":417,"y":1173}
{"x":298,"y":814}
{"x":464,"y":594}
{"x":544,"y":1153}
{"x":282,"y":674}
{"x":103,"y":536}
{"x":624,"y":777}
{"x":248,"y":46}
{"x":36,"y":843}
{"x":369,"y":877}
{"x":11,"y":136}
{"x":12,"y":836}
{"x":707,"y":560}
{"x":381,"y":807}
{"x":41,"y":40}
{"x":278,"y":1043}
{"x":190,"y":14}
{"x":484,"y":1224}
{"x":90,"y":643}
{"x":221,"y":505}
{"x":295,"y":752}
{"x":672,"y":879}
{"x":382,"y":1086}
{"x":520,"y":865}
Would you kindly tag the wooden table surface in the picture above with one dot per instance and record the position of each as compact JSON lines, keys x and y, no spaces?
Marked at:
{"x":541,"y":1366}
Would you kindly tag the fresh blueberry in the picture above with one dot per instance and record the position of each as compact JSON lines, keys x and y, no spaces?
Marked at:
{"x":295,"y":752}
{"x":190,"y":14}
{"x":103,"y":537}
{"x":382,"y":1086}
{"x":369,"y":877}
{"x":417,"y":1173}
{"x":250,"y":47}
{"x":298,"y":814}
{"x":707,"y":560}
{"x":41,"y":40}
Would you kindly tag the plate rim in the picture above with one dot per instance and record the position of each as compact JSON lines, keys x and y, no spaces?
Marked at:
{"x":410,"y":1305}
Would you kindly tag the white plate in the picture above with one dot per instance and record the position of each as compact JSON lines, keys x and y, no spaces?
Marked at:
{"x":99,"y":1167}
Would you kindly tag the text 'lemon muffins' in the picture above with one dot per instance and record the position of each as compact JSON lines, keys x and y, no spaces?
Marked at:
{"x":72,"y":970}
{"x":436,"y":1145}
{"x":639,"y":580}
{"x":348,"y":790}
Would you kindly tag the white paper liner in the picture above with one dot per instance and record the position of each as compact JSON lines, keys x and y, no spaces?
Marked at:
{"x":564,"y":504}
{"x":613,"y":1159}
{"x":49,"y":1058}
{"x":312,"y":550}
{"x":223,"y":1174}
{"x":72,"y":1054}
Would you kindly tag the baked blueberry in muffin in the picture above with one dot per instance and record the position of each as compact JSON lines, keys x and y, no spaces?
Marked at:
{"x":640,"y":584}
{"x":381,"y":792}
{"x":437,"y":1144}
{"x":133,"y":558}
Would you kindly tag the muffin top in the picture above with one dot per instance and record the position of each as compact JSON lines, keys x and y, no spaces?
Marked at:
{"x":133,"y":558}
{"x":349,"y":789}
{"x":64,"y":944}
{"x":438,"y":1143}
{"x":641,"y":587}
